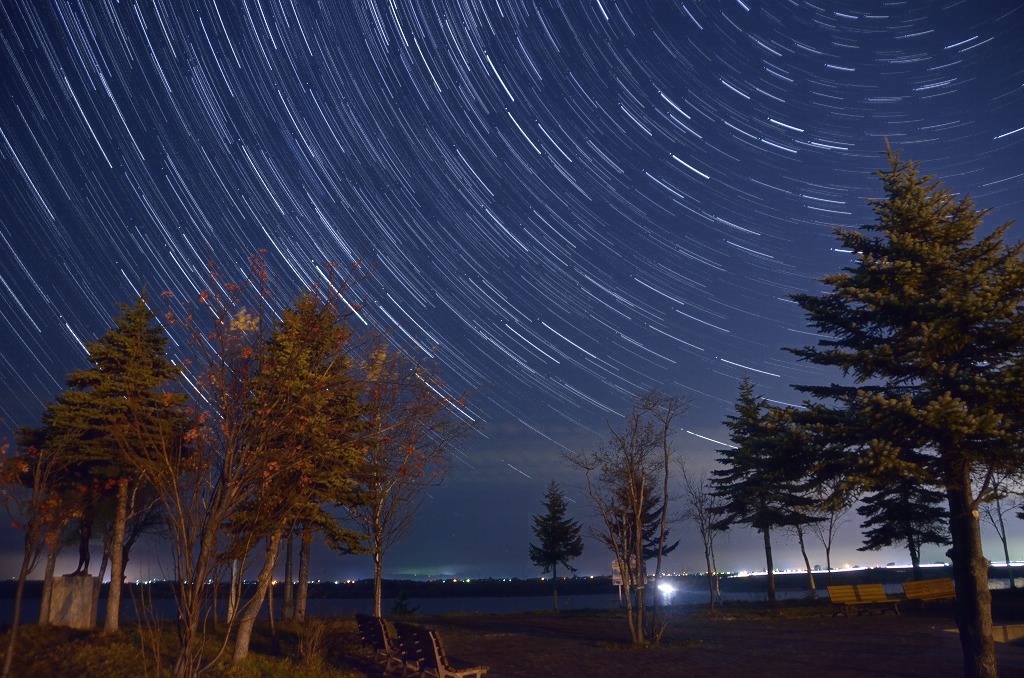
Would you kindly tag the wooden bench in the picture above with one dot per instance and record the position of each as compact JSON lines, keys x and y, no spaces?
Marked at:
{"x":422,"y":647}
{"x":861,"y":597}
{"x":374,"y":632}
{"x":929,"y":589}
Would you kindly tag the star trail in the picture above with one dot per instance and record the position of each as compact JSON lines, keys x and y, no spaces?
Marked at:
{"x":559,"y":203}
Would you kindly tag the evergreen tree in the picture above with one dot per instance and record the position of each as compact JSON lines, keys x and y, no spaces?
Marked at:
{"x":927,"y":322}
{"x":758,"y":481}
{"x":114,"y":413}
{"x":904,"y":512}
{"x":558,"y":536}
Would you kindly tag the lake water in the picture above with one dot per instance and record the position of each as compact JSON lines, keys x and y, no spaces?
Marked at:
{"x":163,"y":608}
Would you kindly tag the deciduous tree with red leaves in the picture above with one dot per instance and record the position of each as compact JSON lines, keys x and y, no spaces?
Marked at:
{"x":29,"y":483}
{"x":406,"y":445}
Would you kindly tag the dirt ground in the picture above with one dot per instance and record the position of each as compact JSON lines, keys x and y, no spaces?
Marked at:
{"x":742,"y":643}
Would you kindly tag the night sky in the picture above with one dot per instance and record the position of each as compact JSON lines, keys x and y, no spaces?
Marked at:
{"x":561,"y":204}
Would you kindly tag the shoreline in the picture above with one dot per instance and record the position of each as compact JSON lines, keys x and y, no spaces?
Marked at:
{"x":499,"y":587}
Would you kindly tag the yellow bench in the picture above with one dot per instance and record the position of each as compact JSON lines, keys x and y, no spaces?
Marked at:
{"x":929,"y":589}
{"x":855,"y":596}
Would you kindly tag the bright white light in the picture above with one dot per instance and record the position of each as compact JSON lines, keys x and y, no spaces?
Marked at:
{"x":666,"y":587}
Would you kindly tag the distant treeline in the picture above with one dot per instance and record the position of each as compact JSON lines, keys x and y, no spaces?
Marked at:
{"x":449,"y":588}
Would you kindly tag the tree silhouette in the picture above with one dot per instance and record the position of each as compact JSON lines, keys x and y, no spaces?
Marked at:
{"x":558,"y":537}
{"x":620,"y":475}
{"x":759,"y":475}
{"x":702,"y":505}
{"x":833,"y":500}
{"x":1004,"y":497}
{"x":904,"y":512}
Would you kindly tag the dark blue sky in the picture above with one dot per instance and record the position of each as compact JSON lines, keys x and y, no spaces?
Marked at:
{"x":561,"y":203}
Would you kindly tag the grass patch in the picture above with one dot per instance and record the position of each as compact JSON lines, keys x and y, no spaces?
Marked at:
{"x":318,"y":647}
{"x":59,"y":651}
{"x":790,"y":609}
{"x":674,"y":644}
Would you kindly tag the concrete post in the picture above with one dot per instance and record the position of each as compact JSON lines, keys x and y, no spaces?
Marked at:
{"x":72,"y":602}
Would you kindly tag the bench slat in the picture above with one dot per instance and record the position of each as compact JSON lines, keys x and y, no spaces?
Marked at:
{"x":849,"y":596}
{"x":929,"y":589}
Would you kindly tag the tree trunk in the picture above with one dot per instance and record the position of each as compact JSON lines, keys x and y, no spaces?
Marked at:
{"x":234,"y":590}
{"x":915,"y":558}
{"x":378,"y":580}
{"x":191,"y":577}
{"x":807,"y":562}
{"x":629,"y":585}
{"x":718,"y":580}
{"x":1009,"y":570}
{"x":1006,"y":547}
{"x":111,"y":619}
{"x":711,"y":581}
{"x":302,"y":595}
{"x":47,"y":595}
{"x":98,"y":587}
{"x":252,"y":608}
{"x":288,"y":601}
{"x":970,"y":572}
{"x":275,"y":645}
{"x":638,"y":561}
{"x":19,"y":593}
{"x":770,"y":565}
{"x":662,"y":529}
{"x":554,"y":586}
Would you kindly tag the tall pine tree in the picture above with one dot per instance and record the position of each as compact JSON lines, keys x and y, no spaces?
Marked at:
{"x":904,"y":512}
{"x":759,"y":478}
{"x":927,"y":322}
{"x":116,"y":412}
{"x":559,"y":538}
